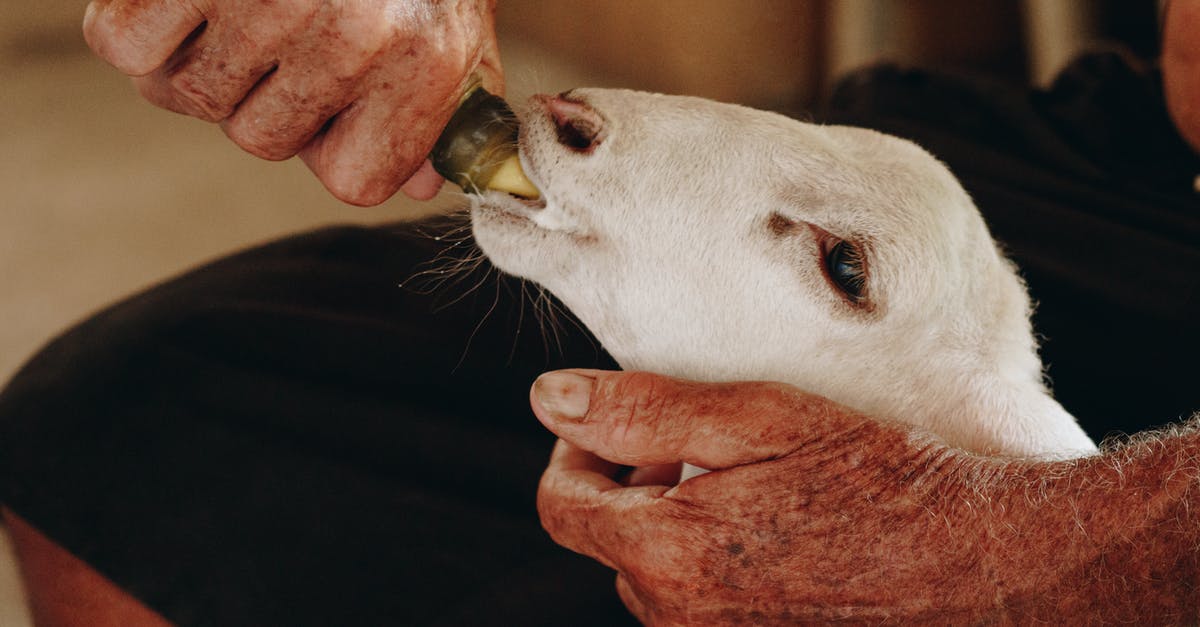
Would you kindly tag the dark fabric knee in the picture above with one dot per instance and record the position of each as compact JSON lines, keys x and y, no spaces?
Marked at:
{"x":287,"y":436}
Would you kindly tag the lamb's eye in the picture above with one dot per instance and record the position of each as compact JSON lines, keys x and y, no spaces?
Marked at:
{"x":846,"y":267}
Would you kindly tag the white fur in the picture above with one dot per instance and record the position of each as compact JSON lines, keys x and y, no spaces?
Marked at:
{"x":659,"y":240}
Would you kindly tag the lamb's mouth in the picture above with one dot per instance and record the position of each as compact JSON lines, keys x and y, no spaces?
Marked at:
{"x":510,"y":208}
{"x":511,"y":205}
{"x":515,"y":203}
{"x":522,"y":217}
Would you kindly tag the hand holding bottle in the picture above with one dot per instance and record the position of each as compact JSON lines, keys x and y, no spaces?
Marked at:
{"x":360,"y":91}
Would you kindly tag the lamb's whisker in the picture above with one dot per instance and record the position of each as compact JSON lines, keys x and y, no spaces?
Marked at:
{"x":451,"y":264}
{"x":559,"y":312}
{"x":521,"y":298}
{"x":479,"y":325}
{"x":478,"y":261}
{"x":551,"y":319}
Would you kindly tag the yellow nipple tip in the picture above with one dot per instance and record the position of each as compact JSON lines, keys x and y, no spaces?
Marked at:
{"x":509,"y":177}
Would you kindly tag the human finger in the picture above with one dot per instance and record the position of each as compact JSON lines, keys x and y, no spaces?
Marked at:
{"x":424,"y":184}
{"x":585,"y":510}
{"x":641,"y":419}
{"x":210,"y":75}
{"x":287,"y":110}
{"x":376,"y":144}
{"x":632,"y":601}
{"x":137,"y":36}
{"x":318,"y":77}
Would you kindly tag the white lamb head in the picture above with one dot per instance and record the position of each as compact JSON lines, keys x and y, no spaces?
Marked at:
{"x":716,"y":242}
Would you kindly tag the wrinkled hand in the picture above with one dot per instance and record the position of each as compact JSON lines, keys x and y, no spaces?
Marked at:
{"x":815,"y":513}
{"x":812,"y":512}
{"x":360,"y":90}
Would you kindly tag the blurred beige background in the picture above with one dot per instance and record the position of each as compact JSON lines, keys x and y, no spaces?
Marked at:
{"x":104,"y":195}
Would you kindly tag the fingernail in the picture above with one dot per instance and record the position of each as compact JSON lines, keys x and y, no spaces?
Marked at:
{"x":564,"y":393}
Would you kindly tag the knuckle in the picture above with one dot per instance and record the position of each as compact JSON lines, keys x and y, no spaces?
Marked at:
{"x":103,"y":32}
{"x":353,"y":59}
{"x":97,"y":28}
{"x":643,"y":391}
{"x":638,"y":409}
{"x":564,"y":519}
{"x":549,"y":497}
{"x":359,"y":38}
{"x":347,"y":185}
{"x":114,"y":33}
{"x":257,"y":142}
{"x":555,"y":515}
{"x":550,"y":511}
{"x":196,"y":94}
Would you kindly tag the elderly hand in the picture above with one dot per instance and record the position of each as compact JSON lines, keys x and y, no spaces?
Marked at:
{"x":360,"y":90}
{"x":816,"y":513}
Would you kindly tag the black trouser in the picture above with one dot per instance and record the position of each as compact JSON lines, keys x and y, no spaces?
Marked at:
{"x":287,"y":437}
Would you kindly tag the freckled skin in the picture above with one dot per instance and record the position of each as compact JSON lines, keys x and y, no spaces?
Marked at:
{"x":359,"y":90}
{"x":839,"y":517}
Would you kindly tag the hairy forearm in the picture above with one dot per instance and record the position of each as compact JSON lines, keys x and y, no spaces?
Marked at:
{"x":1111,"y":538}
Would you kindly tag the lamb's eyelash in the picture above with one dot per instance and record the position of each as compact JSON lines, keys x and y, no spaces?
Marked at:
{"x":847,"y":268}
{"x":849,"y":276}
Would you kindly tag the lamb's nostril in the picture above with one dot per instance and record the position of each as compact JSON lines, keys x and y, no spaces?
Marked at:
{"x":575,"y":135}
{"x":579,"y":126}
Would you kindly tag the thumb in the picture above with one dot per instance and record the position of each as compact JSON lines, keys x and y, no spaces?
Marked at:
{"x":640,"y":419}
